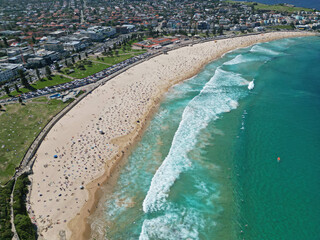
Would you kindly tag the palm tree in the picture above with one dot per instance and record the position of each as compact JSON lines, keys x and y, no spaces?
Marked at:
{"x":5,"y":42}
{"x":16,"y":87}
{"x":25,"y":82}
{"x":48,"y":71}
{"x":38,"y":74}
{"x":7,"y":90}
{"x":23,"y":78}
{"x":57,"y":66}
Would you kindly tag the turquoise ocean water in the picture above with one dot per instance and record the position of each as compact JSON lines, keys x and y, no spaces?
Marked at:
{"x":207,"y":166}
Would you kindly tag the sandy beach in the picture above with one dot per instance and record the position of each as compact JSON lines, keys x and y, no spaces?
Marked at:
{"x":82,"y":150}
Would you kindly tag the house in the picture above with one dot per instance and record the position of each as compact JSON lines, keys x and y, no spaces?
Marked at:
{"x":48,"y":56}
{"x":98,"y":34}
{"x":203,"y":25}
{"x":152,"y":43}
{"x":57,"y":34}
{"x":54,"y":45}
{"x":130,"y":27}
{"x":36,"y":62}
{"x":122,"y":29}
{"x":73,"y":46}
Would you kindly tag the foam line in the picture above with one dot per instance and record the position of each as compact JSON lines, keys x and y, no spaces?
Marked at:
{"x":205,"y":107}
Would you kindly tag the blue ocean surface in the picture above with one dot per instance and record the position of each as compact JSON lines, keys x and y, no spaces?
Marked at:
{"x":232,"y":153}
{"x":298,"y":3}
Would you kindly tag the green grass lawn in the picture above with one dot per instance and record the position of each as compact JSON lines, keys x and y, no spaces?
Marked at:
{"x":90,"y":70}
{"x":56,"y":79}
{"x":117,"y":59}
{"x":276,"y":7}
{"x":135,"y":51}
{"x":19,"y":125}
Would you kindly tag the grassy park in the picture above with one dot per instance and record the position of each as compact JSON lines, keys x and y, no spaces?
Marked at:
{"x":20,"y":124}
{"x":87,"y":70}
{"x":80,"y":69}
{"x":115,"y":59}
{"x":94,"y":64}
{"x":45,"y":82}
{"x":276,"y":7}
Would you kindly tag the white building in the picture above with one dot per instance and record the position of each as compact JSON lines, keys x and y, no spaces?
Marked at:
{"x":8,"y":71}
{"x":98,"y":33}
{"x":54,"y":45}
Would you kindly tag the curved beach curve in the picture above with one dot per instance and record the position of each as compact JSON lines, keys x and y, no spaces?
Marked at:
{"x":93,"y":136}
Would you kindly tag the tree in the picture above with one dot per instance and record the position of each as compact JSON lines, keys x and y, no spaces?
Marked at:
{"x":292,"y":25}
{"x":20,"y":100}
{"x":72,"y":59}
{"x":7,"y":90}
{"x":86,"y":54}
{"x":23,"y":78}
{"x":117,"y":53}
{"x":5,"y":42}
{"x":38,"y":74}
{"x":25,"y":82}
{"x":34,"y":41}
{"x":220,"y":30}
{"x":24,"y":227}
{"x":57,"y":66}
{"x":79,"y":56}
{"x":16,"y":87}
{"x":48,"y":71}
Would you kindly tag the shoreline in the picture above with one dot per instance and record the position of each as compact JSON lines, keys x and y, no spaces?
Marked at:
{"x":146,"y":76}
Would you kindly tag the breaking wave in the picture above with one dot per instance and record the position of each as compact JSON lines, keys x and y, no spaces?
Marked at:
{"x":215,"y":98}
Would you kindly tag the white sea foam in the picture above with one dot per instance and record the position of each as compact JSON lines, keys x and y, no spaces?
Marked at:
{"x":251,"y":85}
{"x":246,"y":58}
{"x":238,"y":59}
{"x":175,"y":224}
{"x":211,"y":101}
{"x":267,"y":51}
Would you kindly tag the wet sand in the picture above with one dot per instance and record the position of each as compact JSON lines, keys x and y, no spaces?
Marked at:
{"x":82,"y":150}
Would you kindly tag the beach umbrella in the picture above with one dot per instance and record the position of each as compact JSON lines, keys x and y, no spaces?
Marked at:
{"x":55,"y":156}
